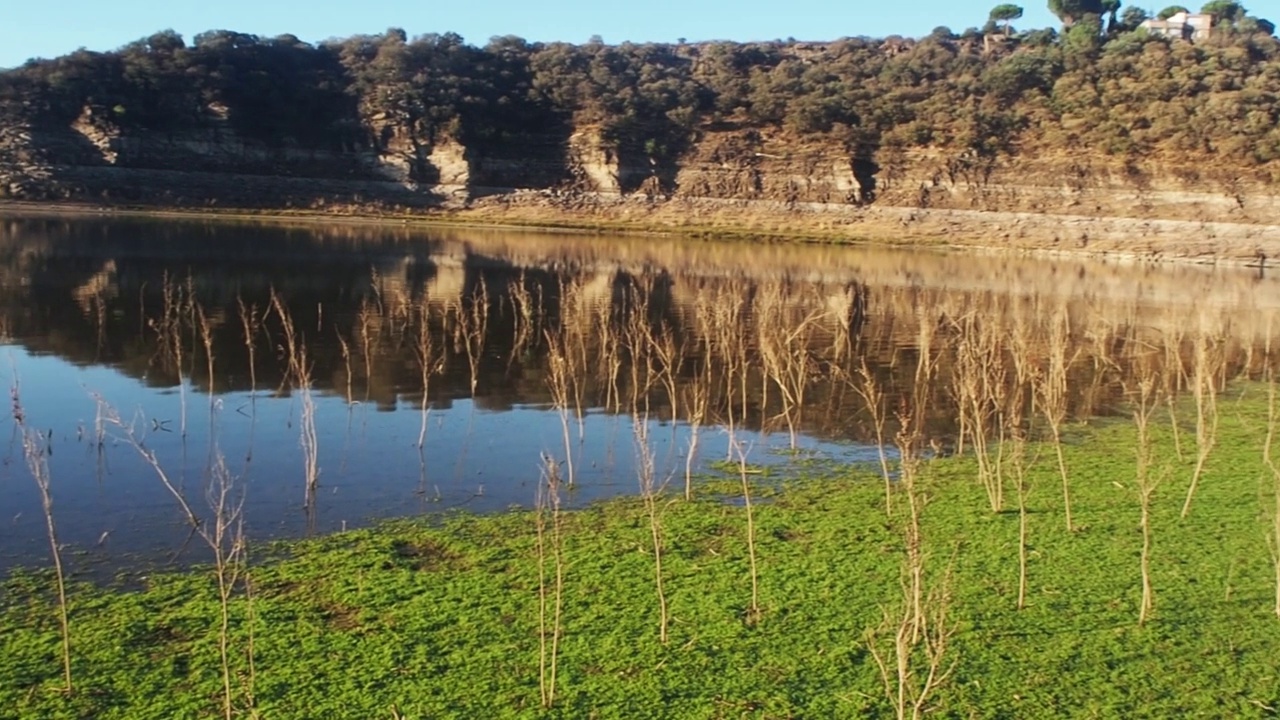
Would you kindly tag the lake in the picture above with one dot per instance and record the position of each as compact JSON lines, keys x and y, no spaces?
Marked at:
{"x":343,"y":372}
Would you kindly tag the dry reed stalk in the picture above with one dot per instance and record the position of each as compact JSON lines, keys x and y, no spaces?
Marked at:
{"x":784,"y":352}
{"x":699,"y":388}
{"x":430,"y":362}
{"x":754,"y":613}
{"x":100,"y":441}
{"x":345,"y":349}
{"x":1175,"y":376}
{"x":1020,"y":478}
{"x":743,"y":348}
{"x":1273,"y":538}
{"x":558,"y":382}
{"x":1104,"y":366}
{"x":205,"y":326}
{"x":730,"y":317}
{"x":1204,"y":387}
{"x":668,"y":352}
{"x":251,"y":325}
{"x":650,"y":491}
{"x":395,"y":307}
{"x":1052,"y":394}
{"x":635,"y":334}
{"x":867,"y":387}
{"x":978,"y":383}
{"x":524,"y":315}
{"x":548,"y":498}
{"x":225,"y":538}
{"x":913,"y":669}
{"x":920,"y":629}
{"x":610,"y":366}
{"x":185,"y":312}
{"x":169,"y":333}
{"x":137,"y":441}
{"x":909,"y":439}
{"x":1145,"y":400}
{"x":299,"y":365}
{"x":1025,"y":382}
{"x":370,"y":331}
{"x":574,"y":322}
{"x":250,"y":682}
{"x":35,"y":450}
{"x":472,"y":325}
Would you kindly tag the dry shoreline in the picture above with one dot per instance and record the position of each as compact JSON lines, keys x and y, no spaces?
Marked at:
{"x":1036,"y":234}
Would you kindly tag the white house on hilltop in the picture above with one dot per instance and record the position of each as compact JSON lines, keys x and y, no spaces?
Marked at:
{"x":1184,"y":25}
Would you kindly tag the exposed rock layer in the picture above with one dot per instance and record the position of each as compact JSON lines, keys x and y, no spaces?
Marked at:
{"x":730,"y":179}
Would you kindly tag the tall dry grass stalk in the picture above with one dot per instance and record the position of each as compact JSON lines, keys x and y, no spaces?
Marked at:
{"x":609,"y":368}
{"x":729,"y":318}
{"x":35,"y":449}
{"x":1025,"y":383}
{"x":299,"y":365}
{"x":700,"y":387}
{"x":978,"y":384}
{"x":1099,"y":334}
{"x":169,"y":328}
{"x":547,"y":506}
{"x":784,"y":343}
{"x":136,"y":439}
{"x":1144,"y":398}
{"x":559,"y":382}
{"x":1051,"y":391}
{"x":369,"y":332}
{"x":698,"y":390}
{"x":868,"y":387}
{"x":667,"y":351}
{"x":430,"y":362}
{"x":636,"y":338}
{"x":1273,"y":421}
{"x":651,"y":492}
{"x":1175,"y":377}
{"x":909,"y":440}
{"x":914,"y":664}
{"x":754,"y":613}
{"x":575,"y":322}
{"x":251,"y":327}
{"x":525,"y":311}
{"x":206,"y":325}
{"x":225,"y":538}
{"x":471,"y":324}
{"x":223,"y":534}
{"x":1204,"y":387}
{"x":344,"y":348}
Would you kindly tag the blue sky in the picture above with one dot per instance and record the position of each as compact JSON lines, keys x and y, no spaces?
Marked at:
{"x":31,"y":28}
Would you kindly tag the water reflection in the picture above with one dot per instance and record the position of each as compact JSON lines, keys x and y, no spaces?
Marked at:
{"x":432,"y":369}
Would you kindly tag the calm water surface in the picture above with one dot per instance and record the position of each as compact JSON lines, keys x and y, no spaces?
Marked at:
{"x":161,"y":334}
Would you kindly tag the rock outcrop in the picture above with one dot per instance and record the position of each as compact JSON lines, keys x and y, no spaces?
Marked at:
{"x":740,"y":178}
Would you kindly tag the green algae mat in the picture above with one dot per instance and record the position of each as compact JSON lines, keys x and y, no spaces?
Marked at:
{"x":440,"y":617}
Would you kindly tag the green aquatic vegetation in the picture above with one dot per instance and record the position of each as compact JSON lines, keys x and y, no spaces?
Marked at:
{"x":439,"y":617}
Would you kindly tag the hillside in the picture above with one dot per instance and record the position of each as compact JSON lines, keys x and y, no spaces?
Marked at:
{"x":1111,"y":135}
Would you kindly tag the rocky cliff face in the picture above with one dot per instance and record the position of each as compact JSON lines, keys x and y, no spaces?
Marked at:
{"x":756,"y":174}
